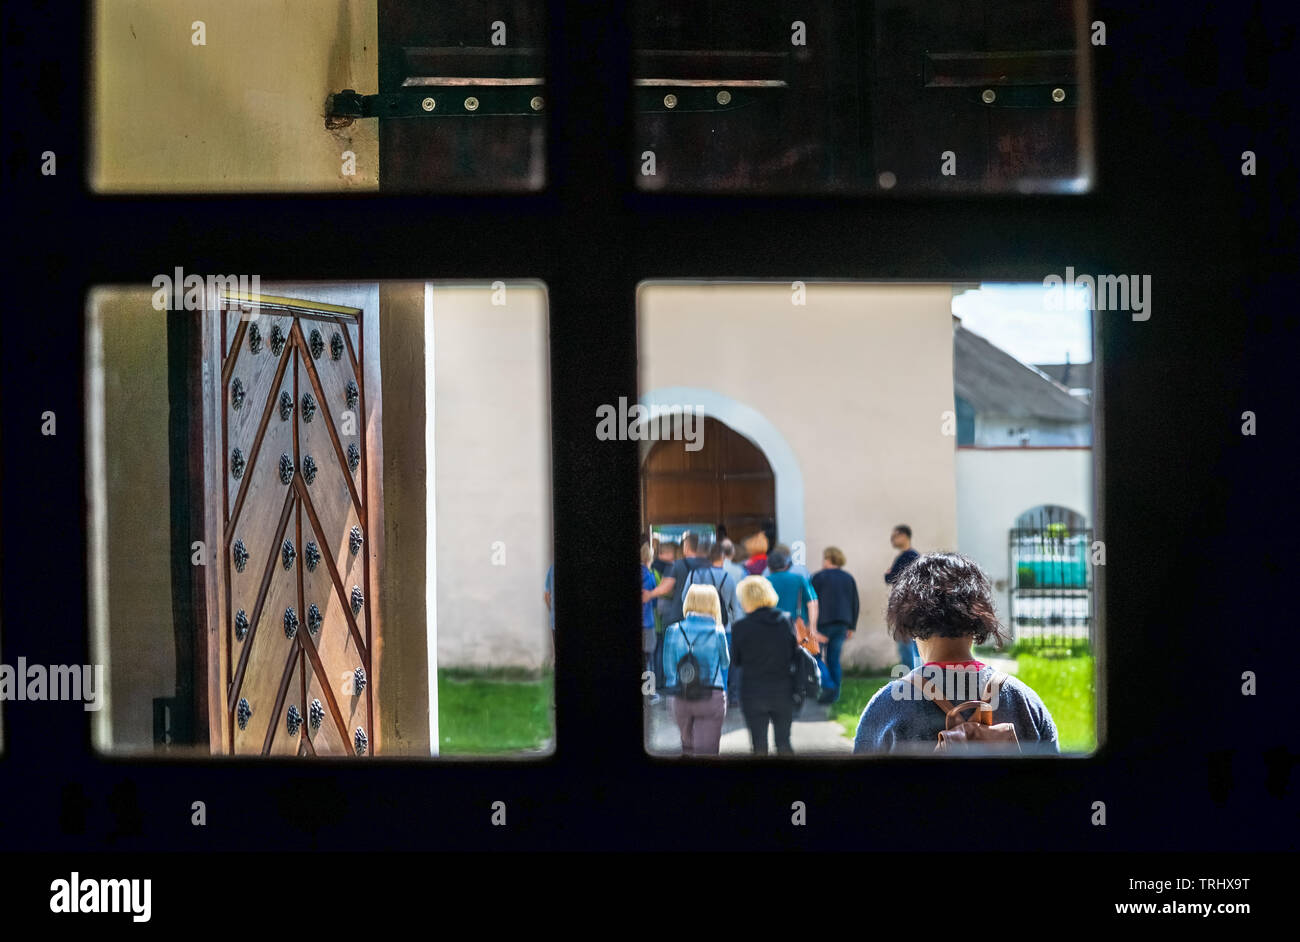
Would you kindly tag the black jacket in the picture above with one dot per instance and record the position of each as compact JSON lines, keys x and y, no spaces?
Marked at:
{"x":837,"y":598}
{"x":763,"y":643}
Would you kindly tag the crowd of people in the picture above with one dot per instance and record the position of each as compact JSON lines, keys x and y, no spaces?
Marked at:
{"x":720,"y":631}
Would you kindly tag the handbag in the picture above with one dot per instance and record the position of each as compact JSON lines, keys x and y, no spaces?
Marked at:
{"x":806,"y":639}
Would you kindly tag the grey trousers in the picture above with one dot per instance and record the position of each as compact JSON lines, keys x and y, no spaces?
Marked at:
{"x":700,"y":723}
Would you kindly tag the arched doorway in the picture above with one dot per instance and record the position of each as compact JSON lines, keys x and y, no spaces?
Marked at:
{"x":728,"y":481}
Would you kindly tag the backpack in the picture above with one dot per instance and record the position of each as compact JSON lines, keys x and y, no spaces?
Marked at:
{"x":979,"y":733}
{"x":692,"y":580}
{"x":690,"y":676}
{"x":805,"y":676}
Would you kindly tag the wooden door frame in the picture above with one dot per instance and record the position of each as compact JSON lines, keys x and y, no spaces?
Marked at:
{"x":206,"y":467}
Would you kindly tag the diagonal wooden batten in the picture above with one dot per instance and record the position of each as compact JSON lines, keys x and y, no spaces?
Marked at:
{"x":323,"y":405}
{"x":327,"y":689}
{"x":236,"y":346}
{"x":352,"y":353}
{"x":271,"y":405}
{"x":328,"y":556}
{"x":273,"y":726}
{"x":262,"y":592}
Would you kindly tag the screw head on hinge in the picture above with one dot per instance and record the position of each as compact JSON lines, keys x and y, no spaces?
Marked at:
{"x":428,"y":104}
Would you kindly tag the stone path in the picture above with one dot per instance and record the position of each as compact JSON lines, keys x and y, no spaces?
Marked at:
{"x":811,"y":734}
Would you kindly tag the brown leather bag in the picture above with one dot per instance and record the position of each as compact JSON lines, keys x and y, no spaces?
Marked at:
{"x":806,"y":640}
{"x":979,"y":733}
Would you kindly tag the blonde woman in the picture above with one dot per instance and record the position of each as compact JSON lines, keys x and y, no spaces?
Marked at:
{"x":695,"y":670}
{"x":763,"y":646}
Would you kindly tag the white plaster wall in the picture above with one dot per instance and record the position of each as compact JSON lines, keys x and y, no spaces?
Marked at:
{"x":243,"y":112}
{"x":492,"y":455}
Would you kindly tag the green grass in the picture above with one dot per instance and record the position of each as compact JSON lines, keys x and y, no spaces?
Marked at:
{"x":1067,"y":686}
{"x":494,"y":711}
{"x":855,"y":691}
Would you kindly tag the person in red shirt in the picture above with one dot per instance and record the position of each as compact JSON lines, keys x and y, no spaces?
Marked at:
{"x":756,"y":546}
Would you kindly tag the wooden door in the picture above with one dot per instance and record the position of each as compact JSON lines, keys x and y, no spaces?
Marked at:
{"x":728,"y":481}
{"x":292,"y":456}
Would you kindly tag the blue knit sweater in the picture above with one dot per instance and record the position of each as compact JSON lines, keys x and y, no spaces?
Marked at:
{"x":898,"y":719}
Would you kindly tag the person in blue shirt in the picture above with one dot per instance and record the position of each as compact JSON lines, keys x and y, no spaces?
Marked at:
{"x":794,"y":593}
{"x":548,"y":592}
{"x":698,"y":633}
{"x":648,"y":583}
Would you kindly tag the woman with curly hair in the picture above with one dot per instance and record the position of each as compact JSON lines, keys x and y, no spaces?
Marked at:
{"x":942,"y":602}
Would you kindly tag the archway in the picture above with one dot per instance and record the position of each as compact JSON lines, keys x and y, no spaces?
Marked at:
{"x":728,"y":481}
{"x":755,"y":428}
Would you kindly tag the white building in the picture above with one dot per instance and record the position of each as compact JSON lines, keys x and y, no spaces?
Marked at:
{"x":1024,"y":462}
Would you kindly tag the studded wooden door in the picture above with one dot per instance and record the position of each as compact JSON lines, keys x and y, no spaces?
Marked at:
{"x":294,"y":492}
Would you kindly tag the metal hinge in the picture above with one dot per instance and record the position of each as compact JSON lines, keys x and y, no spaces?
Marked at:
{"x":673,"y":95}
{"x":1023,"y":79}
{"x":448,"y":99}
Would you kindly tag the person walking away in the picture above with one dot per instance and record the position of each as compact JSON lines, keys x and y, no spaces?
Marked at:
{"x":795,"y":594}
{"x":695,"y":659}
{"x":900,"y":538}
{"x":756,"y":548}
{"x":671,"y":589}
{"x":665,"y":556}
{"x":649,"y":637}
{"x":716,"y":575}
{"x":736,"y":573}
{"x":674,"y":584}
{"x":943,"y":602}
{"x":734,"y":570}
{"x":764,"y":647}
{"x":837,"y":602}
{"x":548,"y":593}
